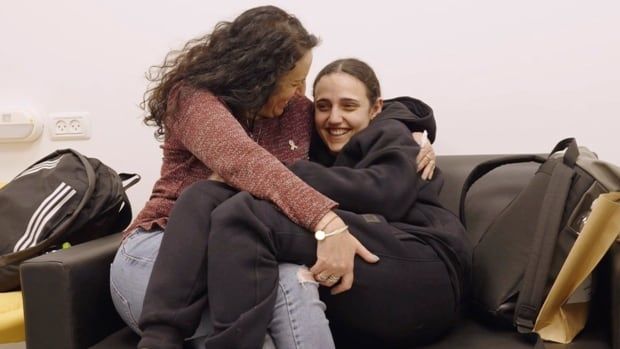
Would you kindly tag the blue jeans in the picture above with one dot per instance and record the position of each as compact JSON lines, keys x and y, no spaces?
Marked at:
{"x":299,"y":316}
{"x":299,"y":320}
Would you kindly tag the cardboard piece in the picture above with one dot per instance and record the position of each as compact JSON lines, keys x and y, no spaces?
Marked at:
{"x":565,"y":310}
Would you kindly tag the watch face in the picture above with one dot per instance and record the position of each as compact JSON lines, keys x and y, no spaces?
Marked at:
{"x":319,"y":235}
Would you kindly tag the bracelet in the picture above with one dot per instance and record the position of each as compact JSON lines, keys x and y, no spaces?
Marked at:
{"x":321,"y":235}
{"x":329,"y":221}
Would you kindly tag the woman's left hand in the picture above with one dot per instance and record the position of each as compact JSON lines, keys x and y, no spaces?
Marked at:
{"x":426,"y":156}
{"x":336,"y":255}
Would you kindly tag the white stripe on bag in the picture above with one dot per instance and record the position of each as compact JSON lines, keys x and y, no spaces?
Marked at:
{"x":52,"y":203}
{"x":38,"y":167}
{"x":32,"y":220}
{"x":50,"y":215}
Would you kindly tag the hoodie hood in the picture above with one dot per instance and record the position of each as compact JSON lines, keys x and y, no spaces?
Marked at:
{"x":414,"y":113}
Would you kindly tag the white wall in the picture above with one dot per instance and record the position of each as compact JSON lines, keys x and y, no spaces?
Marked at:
{"x":502,"y":76}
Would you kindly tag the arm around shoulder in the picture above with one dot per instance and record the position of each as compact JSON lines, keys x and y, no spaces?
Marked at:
{"x":208,"y":130}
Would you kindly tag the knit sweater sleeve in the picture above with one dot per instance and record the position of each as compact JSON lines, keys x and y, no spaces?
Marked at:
{"x":211,"y":133}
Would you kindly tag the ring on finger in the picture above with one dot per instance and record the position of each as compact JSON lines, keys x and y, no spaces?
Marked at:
{"x":333,"y":278}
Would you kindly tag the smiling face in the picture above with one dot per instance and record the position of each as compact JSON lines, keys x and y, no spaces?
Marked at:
{"x":342,"y":108}
{"x":291,"y":84}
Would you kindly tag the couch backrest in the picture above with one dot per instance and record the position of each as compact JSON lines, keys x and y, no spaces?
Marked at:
{"x":486,"y":198}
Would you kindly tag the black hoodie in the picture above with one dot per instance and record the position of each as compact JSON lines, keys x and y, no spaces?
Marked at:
{"x":375,"y":172}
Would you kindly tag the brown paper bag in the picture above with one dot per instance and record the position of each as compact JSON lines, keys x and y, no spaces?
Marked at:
{"x":565,"y":310}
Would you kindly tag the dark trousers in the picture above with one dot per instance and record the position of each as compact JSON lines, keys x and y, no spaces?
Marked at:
{"x":403,"y":300}
{"x":177,"y":291}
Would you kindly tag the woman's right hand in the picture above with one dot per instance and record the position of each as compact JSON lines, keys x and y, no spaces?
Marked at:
{"x":336,"y":256}
{"x":426,"y":157}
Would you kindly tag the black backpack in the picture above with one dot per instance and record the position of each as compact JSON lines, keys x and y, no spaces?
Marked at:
{"x":63,"y":198}
{"x":521,"y":251}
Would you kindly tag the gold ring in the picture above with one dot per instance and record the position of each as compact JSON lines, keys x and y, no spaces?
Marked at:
{"x":333,"y":278}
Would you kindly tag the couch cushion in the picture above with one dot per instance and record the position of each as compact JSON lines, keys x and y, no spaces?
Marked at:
{"x":473,"y":334}
{"x":467,"y":334}
{"x":11,"y":317}
{"x":124,"y":338}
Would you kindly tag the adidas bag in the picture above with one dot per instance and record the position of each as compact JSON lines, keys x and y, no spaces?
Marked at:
{"x":521,"y":252}
{"x":64,"y":197}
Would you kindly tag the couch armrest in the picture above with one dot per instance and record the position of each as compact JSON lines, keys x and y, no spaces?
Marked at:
{"x":67,"y":303}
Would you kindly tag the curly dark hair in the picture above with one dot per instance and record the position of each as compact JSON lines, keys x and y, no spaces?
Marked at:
{"x":240,"y":62}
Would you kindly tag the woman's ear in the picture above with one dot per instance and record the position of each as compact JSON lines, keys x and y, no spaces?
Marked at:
{"x":376,"y":108}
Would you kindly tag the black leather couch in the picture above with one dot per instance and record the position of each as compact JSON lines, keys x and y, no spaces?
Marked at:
{"x":67,"y":301}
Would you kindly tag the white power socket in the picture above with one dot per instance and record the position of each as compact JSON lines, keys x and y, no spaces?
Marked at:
{"x":68,"y":126}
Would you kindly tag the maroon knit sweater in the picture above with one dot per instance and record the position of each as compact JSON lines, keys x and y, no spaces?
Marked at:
{"x":204,"y":136}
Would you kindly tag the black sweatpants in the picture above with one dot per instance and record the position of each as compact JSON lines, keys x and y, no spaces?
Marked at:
{"x":177,"y":291}
{"x":403,"y":300}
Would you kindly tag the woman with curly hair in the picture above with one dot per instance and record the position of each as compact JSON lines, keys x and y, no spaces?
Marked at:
{"x":229,"y":105}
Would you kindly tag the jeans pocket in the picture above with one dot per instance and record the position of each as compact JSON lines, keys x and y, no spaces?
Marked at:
{"x":123,"y":307}
{"x":141,"y":247}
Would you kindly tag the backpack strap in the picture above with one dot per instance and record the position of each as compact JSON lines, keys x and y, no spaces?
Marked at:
{"x":572,"y":151}
{"x":535,"y":278}
{"x":124,"y":217}
{"x":129,"y":180}
{"x":486,"y":167}
{"x":121,"y":210}
{"x":540,"y":344}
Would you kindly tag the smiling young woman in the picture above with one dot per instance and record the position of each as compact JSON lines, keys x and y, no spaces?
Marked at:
{"x":410,"y":296}
{"x":342,"y":108}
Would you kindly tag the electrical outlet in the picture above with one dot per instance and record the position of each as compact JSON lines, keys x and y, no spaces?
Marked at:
{"x":60,"y":127}
{"x":68,"y":126}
